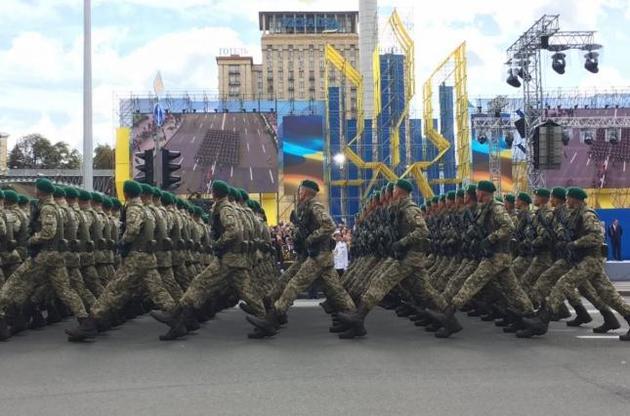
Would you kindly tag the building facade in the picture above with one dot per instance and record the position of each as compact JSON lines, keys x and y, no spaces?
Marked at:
{"x":293,"y":64}
{"x":4,"y":153}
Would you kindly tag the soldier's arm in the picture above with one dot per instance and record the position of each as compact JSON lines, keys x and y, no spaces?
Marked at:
{"x":325,"y":224}
{"x":419,"y":227}
{"x":230,"y":227}
{"x":49,"y":226}
{"x":134,"y":219}
{"x":542,"y":233}
{"x":505,"y":227}
{"x":593,"y":235}
{"x":3,"y":228}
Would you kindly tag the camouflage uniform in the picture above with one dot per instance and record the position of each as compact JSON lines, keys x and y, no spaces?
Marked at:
{"x":138,"y":273}
{"x":163,"y":224}
{"x":541,"y":246}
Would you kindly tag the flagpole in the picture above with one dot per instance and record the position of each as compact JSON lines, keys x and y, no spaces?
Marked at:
{"x":87,"y":97}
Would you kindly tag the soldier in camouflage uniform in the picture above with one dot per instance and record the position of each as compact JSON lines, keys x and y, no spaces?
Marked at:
{"x":408,"y":268}
{"x":87,"y":234}
{"x":317,"y":227}
{"x":586,"y":257}
{"x":9,"y":256}
{"x":494,"y":267}
{"x":46,"y":266}
{"x":138,"y":273}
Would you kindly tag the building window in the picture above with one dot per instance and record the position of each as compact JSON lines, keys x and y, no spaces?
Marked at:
{"x":234,"y":69}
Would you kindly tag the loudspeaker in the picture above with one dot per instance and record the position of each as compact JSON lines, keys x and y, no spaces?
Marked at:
{"x":548,"y":146}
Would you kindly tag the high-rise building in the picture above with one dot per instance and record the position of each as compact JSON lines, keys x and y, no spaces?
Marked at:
{"x":293,"y":62}
{"x":239,"y":77}
{"x":3,"y":153}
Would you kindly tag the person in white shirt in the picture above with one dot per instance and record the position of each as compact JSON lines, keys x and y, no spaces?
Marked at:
{"x":340,"y":253}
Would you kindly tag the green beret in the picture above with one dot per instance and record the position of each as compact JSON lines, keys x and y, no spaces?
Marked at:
{"x":257,"y":207}
{"x":96,"y":197}
{"x":220,"y":188}
{"x":543,"y":192}
{"x":22,"y":200}
{"x":180,"y":203}
{"x":442,"y":198}
{"x":72,"y":193}
{"x":1,"y":195}
{"x":423,"y":207}
{"x":471,"y":190}
{"x":577,"y":193}
{"x":11,"y":196}
{"x":45,"y":186}
{"x":116,"y":204}
{"x":499,"y":198}
{"x":312,"y":185}
{"x":107,"y":203}
{"x":156,"y":192}
{"x":435,"y":199}
{"x":559,"y":193}
{"x":206,"y":218}
{"x":390,"y":186}
{"x":509,"y":198}
{"x":85,"y":195}
{"x":428,"y":203}
{"x":460,"y":193}
{"x":132,"y":188}
{"x":451,"y":195}
{"x":250,"y":204}
{"x":59,"y":192}
{"x":244,"y":194}
{"x":405,"y":185}
{"x":166,"y":199}
{"x":146,"y":189}
{"x":486,"y":186}
{"x":234,"y":194}
{"x":198,"y":211}
{"x":523,"y":196}
{"x":376,"y":195}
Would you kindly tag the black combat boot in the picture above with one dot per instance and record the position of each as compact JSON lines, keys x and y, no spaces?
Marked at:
{"x":169,"y":318}
{"x":505,"y":321}
{"x":246,"y":308}
{"x":626,"y":336}
{"x":190,"y":320}
{"x":582,"y":316}
{"x":357,"y":330}
{"x":37,"y":319}
{"x":450,"y":325}
{"x":53,"y":316}
{"x":338,"y":327}
{"x":536,"y":325}
{"x":257,"y":334}
{"x":88,"y":328}
{"x":5,"y":333}
{"x":353,"y":318}
{"x":404,"y":310}
{"x":610,"y":322}
{"x":327,"y":307}
{"x":177,"y":330}
{"x":268,"y":324}
{"x":563,"y":313}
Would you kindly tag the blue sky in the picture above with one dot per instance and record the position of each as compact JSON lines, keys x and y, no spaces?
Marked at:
{"x":41,"y":49}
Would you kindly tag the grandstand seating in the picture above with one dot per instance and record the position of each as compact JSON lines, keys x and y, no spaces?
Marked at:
{"x":222,"y":147}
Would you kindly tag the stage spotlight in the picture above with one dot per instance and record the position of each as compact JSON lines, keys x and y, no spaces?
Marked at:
{"x":513,"y":80}
{"x":253,"y":110}
{"x":243,"y":110}
{"x":482,"y":138}
{"x":591,"y":63}
{"x":587,"y":136}
{"x":194,"y":110}
{"x":612,"y":135}
{"x":559,"y":62}
{"x":184,"y":111}
{"x":524,"y":74}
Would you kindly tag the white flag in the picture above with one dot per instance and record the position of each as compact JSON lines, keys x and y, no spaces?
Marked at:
{"x":158,"y":85}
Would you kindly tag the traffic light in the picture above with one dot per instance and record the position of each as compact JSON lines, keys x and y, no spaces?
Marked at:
{"x":169,"y":180}
{"x":146,"y":168}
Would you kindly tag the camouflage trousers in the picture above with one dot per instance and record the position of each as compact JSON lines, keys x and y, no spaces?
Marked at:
{"x":285,"y":278}
{"x":496,"y":270}
{"x":7,"y":270}
{"x":520,"y":265}
{"x":590,"y":269}
{"x":309,"y":271}
{"x":169,"y":282}
{"x":137,"y":275}
{"x":73,"y":266}
{"x":181,"y":272}
{"x":90,"y":275}
{"x":444,"y":277}
{"x":408,"y":272}
{"x":46,"y":268}
{"x":217,"y":277}
{"x":365,"y":279}
{"x":456,"y":282}
{"x":105,"y":272}
{"x":550,"y":277}
{"x":538,"y":265}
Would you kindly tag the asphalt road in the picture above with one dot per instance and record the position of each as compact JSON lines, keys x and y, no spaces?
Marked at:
{"x":397,"y":370}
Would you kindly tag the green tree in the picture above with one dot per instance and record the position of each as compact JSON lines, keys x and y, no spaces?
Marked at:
{"x":35,"y":151}
{"x":104,"y":157}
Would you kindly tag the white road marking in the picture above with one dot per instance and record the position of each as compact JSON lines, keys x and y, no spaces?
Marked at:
{"x":624,"y":166}
{"x":271,"y":176}
{"x":231,"y":171}
{"x":258,"y":131}
{"x":193,"y":139}
{"x":245,"y":130}
{"x":247,"y":147}
{"x":588,"y":161}
{"x":195,"y":167}
{"x":181,"y":161}
{"x":234,"y":129}
{"x":223,"y":122}
{"x":211,"y":123}
{"x":251,"y":174}
{"x":264,"y":150}
{"x":615,"y":337}
{"x":573,"y":158}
